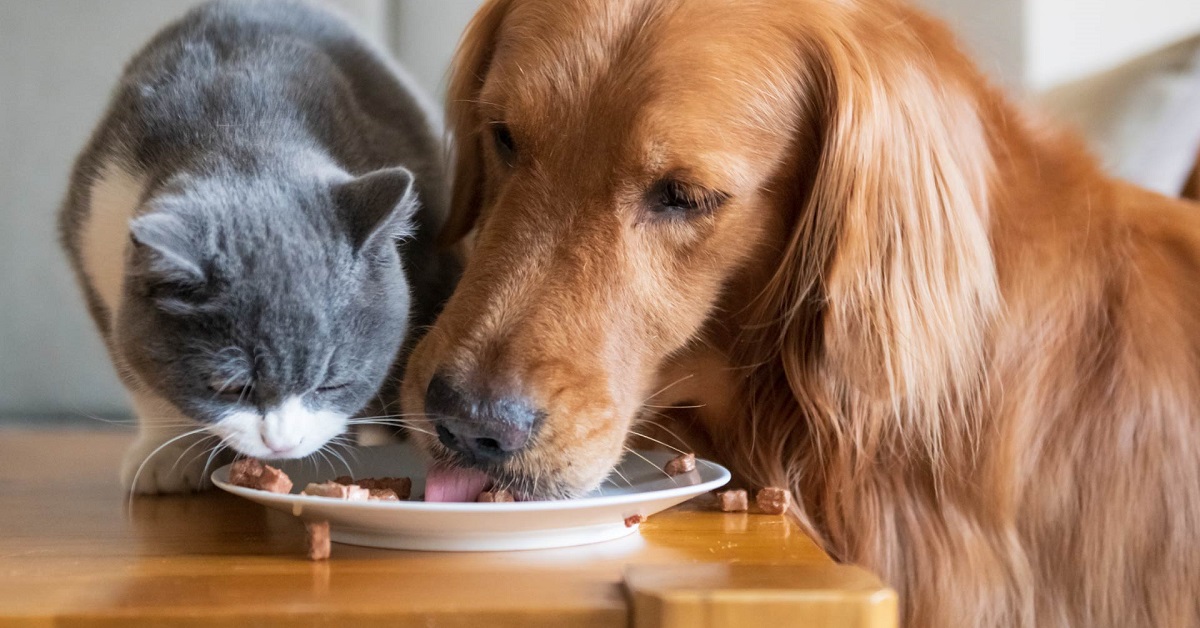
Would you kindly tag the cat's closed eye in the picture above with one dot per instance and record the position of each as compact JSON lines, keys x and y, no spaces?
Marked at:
{"x":229,"y":390}
{"x":329,"y":388}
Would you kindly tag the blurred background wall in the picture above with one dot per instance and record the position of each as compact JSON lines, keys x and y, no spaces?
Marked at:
{"x":1095,"y":64}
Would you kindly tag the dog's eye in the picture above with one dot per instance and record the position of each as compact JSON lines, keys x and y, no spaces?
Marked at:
{"x":673,"y":197}
{"x":506,"y":147}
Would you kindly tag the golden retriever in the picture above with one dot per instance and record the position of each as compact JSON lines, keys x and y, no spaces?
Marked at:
{"x":852,"y":266}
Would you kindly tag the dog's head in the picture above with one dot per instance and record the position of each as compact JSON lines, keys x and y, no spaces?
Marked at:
{"x":633,"y":173}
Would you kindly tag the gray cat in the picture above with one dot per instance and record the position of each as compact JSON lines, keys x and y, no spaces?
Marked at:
{"x":236,"y":223}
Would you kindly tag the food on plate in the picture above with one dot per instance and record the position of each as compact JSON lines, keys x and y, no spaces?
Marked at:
{"x":684,"y":463}
{"x":252,"y":473}
{"x":734,"y":500}
{"x":382,"y":495}
{"x":773,"y":500}
{"x":495,"y":496}
{"x":351,"y":492}
{"x":402,"y":487}
{"x":633,"y":520}
{"x":344,"y":487}
{"x":318,"y":539}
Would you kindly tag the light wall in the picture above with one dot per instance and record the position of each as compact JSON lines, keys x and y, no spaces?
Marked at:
{"x":1069,"y":40}
{"x":424,"y":36}
{"x":58,"y":61}
{"x":991,"y":29}
{"x":1038,"y":45}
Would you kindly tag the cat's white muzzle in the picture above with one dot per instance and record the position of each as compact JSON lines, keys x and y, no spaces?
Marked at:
{"x":290,"y":430}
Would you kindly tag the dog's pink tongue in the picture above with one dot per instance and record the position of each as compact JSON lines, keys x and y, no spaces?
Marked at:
{"x":453,"y":484}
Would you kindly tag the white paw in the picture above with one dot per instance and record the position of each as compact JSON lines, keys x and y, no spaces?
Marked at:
{"x":176,"y":468}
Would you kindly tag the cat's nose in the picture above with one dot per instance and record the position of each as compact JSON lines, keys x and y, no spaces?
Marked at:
{"x":281,"y":443}
{"x":484,"y":431}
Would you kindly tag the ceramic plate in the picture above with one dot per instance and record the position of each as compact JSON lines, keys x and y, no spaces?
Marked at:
{"x":470,"y":527}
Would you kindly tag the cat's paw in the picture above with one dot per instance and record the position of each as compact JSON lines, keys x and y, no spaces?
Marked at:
{"x":176,"y":468}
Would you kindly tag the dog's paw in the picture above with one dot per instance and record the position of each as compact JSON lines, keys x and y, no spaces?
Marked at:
{"x":176,"y":468}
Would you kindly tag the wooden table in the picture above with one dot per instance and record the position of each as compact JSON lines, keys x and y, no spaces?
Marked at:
{"x":72,"y":553}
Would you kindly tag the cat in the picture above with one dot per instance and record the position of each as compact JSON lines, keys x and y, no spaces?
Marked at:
{"x":237,"y":224}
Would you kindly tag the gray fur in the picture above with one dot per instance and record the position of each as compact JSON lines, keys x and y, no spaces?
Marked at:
{"x":284,"y":160}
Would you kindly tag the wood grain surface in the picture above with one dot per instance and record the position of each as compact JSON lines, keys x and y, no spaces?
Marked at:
{"x":73,"y":552}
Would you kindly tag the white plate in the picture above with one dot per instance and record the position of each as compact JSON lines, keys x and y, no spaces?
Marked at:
{"x":470,"y":527}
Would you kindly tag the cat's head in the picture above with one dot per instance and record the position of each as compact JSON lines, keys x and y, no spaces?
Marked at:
{"x":269,"y":309}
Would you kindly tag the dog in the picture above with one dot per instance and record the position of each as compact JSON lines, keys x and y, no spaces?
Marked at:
{"x":815,"y":237}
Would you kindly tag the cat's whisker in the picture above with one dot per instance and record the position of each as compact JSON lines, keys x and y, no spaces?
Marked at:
{"x":647,"y":460}
{"x":316,"y":458}
{"x":335,"y":454}
{"x":699,"y":405}
{"x":409,"y":418}
{"x":241,"y":375}
{"x":396,"y":424}
{"x":332,"y":467}
{"x":162,"y":422}
{"x":189,"y":448}
{"x":203,"y":452}
{"x":399,"y":427}
{"x":212,"y":456}
{"x":670,"y":431}
{"x":109,"y":421}
{"x":247,"y":389}
{"x":348,"y":450}
{"x":655,"y":440}
{"x":138,"y":474}
{"x":344,"y":442}
{"x":376,"y":421}
{"x":622,"y":476}
{"x":669,"y":386}
{"x":387,"y":422}
{"x":338,"y":440}
{"x":401,"y":415}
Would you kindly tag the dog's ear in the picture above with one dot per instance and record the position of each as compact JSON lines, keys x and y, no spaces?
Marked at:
{"x":890,"y":246}
{"x":469,"y":69}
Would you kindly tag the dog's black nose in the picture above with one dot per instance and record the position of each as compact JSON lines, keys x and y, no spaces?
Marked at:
{"x":483,"y":430}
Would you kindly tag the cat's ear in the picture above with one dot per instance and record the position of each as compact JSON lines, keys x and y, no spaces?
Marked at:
{"x":377,"y":207}
{"x":167,"y":256}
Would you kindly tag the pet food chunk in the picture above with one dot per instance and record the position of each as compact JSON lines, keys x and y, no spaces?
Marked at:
{"x":495,"y":496}
{"x":252,"y":473}
{"x":275,"y":481}
{"x":382,"y":495}
{"x":633,"y":520}
{"x":402,"y":487}
{"x":734,"y":500}
{"x":318,"y":539}
{"x":773,"y":500}
{"x":681,"y":464}
{"x":337,"y":491}
{"x":245,"y":472}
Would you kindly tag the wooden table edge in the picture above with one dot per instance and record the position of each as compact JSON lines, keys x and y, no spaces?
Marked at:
{"x":751,"y":595}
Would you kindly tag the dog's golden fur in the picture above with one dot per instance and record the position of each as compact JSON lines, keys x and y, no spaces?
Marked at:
{"x":974,"y":356}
